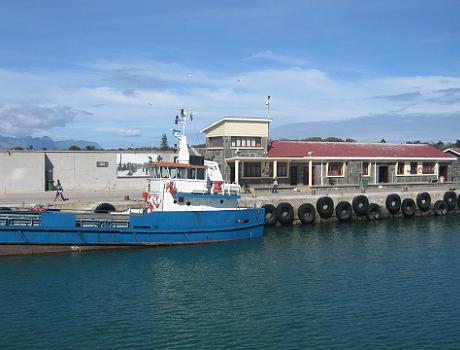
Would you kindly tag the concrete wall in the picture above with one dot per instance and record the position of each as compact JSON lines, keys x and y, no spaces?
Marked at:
{"x":22,"y":172}
{"x":25,"y":171}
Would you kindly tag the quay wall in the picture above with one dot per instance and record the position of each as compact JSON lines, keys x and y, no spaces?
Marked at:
{"x":297,"y":199}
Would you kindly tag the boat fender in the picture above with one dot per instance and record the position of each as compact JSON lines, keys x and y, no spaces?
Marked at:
{"x":408,"y":207}
{"x":450,"y":197}
{"x":285,"y":213}
{"x":325,"y":207}
{"x":393,"y":203}
{"x":424,"y":201}
{"x":440,"y":208}
{"x":360,"y":205}
{"x":270,"y":214}
{"x":306,"y":213}
{"x":344,"y":211}
{"x":374,"y":212}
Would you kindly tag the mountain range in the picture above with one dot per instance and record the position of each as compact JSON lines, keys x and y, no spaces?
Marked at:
{"x":391,"y":127}
{"x":44,"y":142}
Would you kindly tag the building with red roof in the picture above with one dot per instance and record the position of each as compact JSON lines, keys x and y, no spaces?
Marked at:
{"x":246,"y":156}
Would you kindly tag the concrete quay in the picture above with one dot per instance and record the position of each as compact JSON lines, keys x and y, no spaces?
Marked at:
{"x":375,"y":195}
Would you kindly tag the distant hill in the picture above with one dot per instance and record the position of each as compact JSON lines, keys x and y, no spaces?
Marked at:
{"x":392,"y":128}
{"x":25,"y":142}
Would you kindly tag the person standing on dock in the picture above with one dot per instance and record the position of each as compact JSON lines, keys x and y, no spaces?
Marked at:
{"x":59,"y":191}
{"x":275,"y":185}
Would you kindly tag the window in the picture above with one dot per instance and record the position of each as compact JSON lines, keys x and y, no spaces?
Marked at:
{"x":181,"y":173}
{"x":366,"y":166}
{"x":428,"y":168}
{"x":200,"y":173}
{"x":400,"y":168}
{"x":164,"y":172}
{"x":281,"y":170}
{"x":191,"y":173}
{"x":215,"y":142}
{"x":413,"y":168}
{"x":247,"y":142}
{"x":252,"y":170}
{"x":335,"y":169}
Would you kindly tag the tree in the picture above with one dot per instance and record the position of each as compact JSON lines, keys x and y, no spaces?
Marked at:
{"x":30,"y":147}
{"x":383,"y":141}
{"x":74,"y":148}
{"x":90,"y":148}
{"x":164,"y":143}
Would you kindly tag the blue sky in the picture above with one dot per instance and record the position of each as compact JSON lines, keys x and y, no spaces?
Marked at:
{"x":117,"y":72}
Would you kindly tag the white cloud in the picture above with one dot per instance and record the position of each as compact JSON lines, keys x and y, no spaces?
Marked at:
{"x":279,"y":58}
{"x":127,"y":132}
{"x":149,"y":94}
{"x":26,"y":120}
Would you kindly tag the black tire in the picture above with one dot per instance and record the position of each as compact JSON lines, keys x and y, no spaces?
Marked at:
{"x":104,"y":208}
{"x":285,"y":213}
{"x":408,"y":207}
{"x":325,"y":207}
{"x":271,"y":216}
{"x":343,"y":211}
{"x":458,"y":202}
{"x":440,"y":208}
{"x":374,"y":212}
{"x":306,"y":213}
{"x":424,"y":201}
{"x":393,"y":203}
{"x":450,"y":197}
{"x":4,"y":209}
{"x":360,"y":205}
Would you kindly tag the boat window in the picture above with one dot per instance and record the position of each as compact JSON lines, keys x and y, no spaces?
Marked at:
{"x":191,"y":173}
{"x":153,"y":172}
{"x":164,"y":172}
{"x":200,"y":173}
{"x":181,"y":173}
{"x":173,"y":172}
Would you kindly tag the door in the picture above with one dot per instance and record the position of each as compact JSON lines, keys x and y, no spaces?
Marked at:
{"x":443,"y":172}
{"x":383,"y":173}
{"x":293,"y":175}
{"x":307,"y":174}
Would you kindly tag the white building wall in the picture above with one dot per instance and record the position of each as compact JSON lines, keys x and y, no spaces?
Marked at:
{"x":22,"y":172}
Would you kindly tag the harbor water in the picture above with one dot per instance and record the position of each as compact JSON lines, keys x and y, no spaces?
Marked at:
{"x":391,"y":284}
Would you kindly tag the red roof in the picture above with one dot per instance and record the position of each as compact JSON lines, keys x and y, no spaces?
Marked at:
{"x":354,"y":149}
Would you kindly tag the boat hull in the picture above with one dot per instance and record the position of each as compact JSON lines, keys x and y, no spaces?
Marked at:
{"x":59,"y":232}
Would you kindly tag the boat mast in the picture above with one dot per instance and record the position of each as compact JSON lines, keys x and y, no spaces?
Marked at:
{"x":184,"y":155}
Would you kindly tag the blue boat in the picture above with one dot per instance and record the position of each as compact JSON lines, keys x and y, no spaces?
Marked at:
{"x":184,"y":204}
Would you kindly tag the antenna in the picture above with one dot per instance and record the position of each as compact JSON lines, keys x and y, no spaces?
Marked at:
{"x":268,"y":107}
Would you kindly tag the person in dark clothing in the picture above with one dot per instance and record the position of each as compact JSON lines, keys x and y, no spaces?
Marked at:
{"x":59,"y":191}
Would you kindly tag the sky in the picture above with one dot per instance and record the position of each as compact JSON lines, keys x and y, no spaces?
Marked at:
{"x":117,"y":72}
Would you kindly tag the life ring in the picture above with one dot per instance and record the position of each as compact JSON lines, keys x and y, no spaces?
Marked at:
{"x":393,"y":203}
{"x":360,"y":205}
{"x":271,"y":216}
{"x":374,"y":212}
{"x":343,"y":211}
{"x":285,"y":213}
{"x":440,"y":208}
{"x":306,"y":213}
{"x":424,"y":201}
{"x":408,"y":207}
{"x":450,"y":197}
{"x":325,"y":207}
